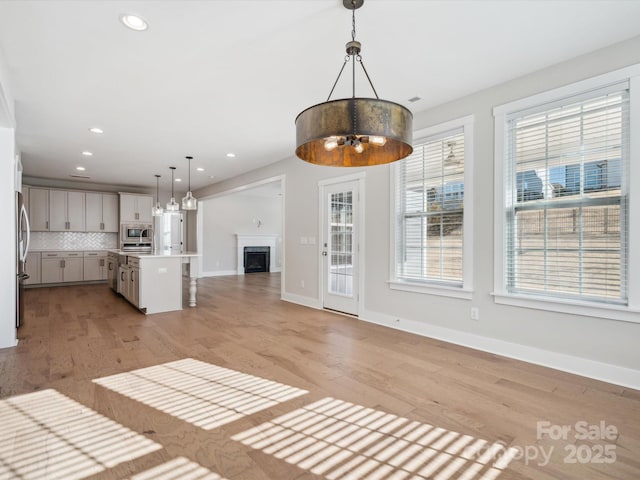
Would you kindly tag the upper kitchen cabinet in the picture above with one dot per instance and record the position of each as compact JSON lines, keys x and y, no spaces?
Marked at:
{"x":101,"y":212}
{"x":66,"y":211}
{"x":39,"y":209}
{"x":135,"y":208}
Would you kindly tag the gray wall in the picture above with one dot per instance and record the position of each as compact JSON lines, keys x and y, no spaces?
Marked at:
{"x":224,"y":217}
{"x":607,"y":341}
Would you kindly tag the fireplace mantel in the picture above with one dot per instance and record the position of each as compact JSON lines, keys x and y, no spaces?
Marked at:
{"x":255,"y":241}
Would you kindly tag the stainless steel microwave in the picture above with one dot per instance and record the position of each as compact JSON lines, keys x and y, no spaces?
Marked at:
{"x":141,"y":233}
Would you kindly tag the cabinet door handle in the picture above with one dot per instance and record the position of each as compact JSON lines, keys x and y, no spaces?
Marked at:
{"x":46,"y":225}
{"x":110,"y":266}
{"x":63,"y":264}
{"x":122,"y":276}
{"x":132,"y":275}
{"x":102,"y":262}
{"x":101,"y":226}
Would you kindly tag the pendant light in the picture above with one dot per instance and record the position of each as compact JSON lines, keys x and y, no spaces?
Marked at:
{"x":189,"y":202}
{"x":172,"y":206}
{"x":354,"y":132}
{"x":157,"y":210}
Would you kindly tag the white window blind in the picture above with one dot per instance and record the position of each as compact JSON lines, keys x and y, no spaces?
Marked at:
{"x":429,"y":211}
{"x":566,"y":198}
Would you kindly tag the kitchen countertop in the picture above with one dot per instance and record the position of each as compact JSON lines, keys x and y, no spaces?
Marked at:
{"x":154,"y":254}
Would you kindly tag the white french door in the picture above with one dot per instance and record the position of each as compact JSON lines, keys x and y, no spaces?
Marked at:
{"x":340,"y":246}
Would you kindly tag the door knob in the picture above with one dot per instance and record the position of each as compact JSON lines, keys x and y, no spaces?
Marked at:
{"x":324,"y":254}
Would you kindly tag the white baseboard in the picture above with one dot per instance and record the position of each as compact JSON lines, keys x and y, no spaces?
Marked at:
{"x":300,"y":300}
{"x":218,"y":273}
{"x":606,"y":372}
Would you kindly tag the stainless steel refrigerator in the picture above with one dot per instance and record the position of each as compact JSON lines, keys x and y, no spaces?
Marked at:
{"x":23,"y":234}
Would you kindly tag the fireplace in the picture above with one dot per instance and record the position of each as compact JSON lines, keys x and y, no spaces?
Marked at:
{"x":256,"y":259}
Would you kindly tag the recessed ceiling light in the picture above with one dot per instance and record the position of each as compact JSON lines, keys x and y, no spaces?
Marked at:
{"x":82,"y":169}
{"x":178,"y":179}
{"x":96,"y":130}
{"x":231,"y":154}
{"x":134,"y":22}
{"x":200,"y":169}
{"x":86,"y":153}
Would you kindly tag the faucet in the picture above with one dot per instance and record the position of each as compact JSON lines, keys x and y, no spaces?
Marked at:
{"x":153,"y":237}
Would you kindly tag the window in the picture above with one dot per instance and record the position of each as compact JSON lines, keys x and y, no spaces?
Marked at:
{"x":432,"y":231}
{"x":564,"y":206}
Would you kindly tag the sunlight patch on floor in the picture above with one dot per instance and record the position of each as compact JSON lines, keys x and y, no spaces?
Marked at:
{"x":48,"y":435}
{"x":341,"y":440}
{"x":200,"y":393}
{"x":177,"y":469}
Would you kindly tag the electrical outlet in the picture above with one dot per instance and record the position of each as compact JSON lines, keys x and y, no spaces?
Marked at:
{"x":475,"y":313}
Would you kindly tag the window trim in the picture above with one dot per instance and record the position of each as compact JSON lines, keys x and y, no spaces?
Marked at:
{"x":501,"y":295}
{"x":436,"y":287}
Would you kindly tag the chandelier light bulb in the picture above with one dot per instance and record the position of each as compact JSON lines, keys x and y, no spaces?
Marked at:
{"x":377,"y":140}
{"x":330,"y":143}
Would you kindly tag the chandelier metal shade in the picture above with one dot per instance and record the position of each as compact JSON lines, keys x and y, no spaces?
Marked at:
{"x":189,"y":202}
{"x":157,"y":210}
{"x":172,"y":205}
{"x":354,"y":132}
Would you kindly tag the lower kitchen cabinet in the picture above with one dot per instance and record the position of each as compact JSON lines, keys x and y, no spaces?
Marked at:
{"x":131,"y":280}
{"x":58,"y":267}
{"x":95,"y":266}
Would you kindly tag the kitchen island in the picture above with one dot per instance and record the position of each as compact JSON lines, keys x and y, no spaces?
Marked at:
{"x":152,"y":282}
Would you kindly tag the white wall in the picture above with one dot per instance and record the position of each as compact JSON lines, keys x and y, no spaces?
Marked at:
{"x":223,"y":217}
{"x":591,"y":346}
{"x":7,"y":213}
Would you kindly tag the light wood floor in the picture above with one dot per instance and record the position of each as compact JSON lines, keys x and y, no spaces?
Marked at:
{"x":246,"y":386}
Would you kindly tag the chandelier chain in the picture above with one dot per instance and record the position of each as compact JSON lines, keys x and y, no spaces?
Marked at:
{"x":353,"y":20}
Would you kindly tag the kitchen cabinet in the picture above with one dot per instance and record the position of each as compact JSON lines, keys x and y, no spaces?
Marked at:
{"x":59,"y":267}
{"x":101,"y":212}
{"x":112,"y":270}
{"x":33,"y":268}
{"x":135,"y":286}
{"x":66,"y":211}
{"x":135,"y":208}
{"x":39,"y":209}
{"x":94,"y":266}
{"x":130,"y":278}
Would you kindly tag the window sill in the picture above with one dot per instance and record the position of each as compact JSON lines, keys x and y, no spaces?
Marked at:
{"x":431,"y":289}
{"x":574,"y":307}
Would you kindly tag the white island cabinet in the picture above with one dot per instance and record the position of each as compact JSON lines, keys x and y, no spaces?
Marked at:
{"x":152,"y":282}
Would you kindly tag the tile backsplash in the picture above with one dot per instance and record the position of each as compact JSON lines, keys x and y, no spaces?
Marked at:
{"x":73,"y":241}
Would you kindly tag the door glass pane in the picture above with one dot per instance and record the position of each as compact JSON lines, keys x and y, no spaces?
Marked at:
{"x":341,"y":244}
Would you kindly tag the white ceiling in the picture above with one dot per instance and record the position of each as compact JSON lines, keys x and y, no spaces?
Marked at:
{"x":218,"y":76}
